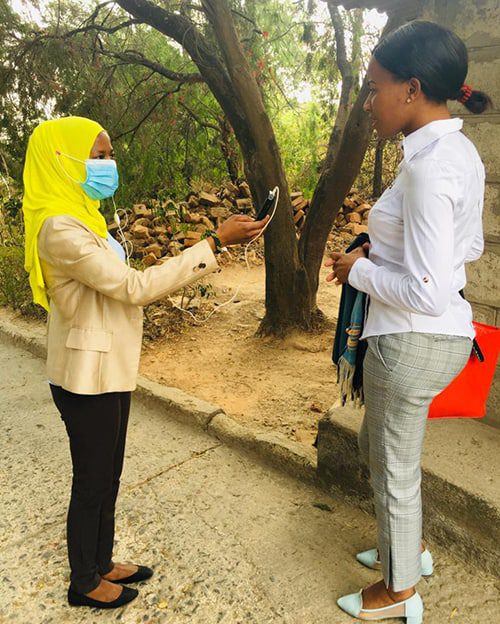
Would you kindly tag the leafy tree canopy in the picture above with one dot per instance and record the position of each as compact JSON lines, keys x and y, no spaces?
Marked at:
{"x":92,"y":59}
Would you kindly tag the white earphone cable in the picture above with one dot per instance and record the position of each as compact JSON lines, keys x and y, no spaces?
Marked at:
{"x":276,"y":192}
{"x":125,"y":243}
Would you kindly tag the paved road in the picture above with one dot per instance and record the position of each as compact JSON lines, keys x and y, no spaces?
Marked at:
{"x":232,"y":541}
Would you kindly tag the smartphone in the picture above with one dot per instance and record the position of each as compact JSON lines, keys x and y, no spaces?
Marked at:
{"x":266,"y":206}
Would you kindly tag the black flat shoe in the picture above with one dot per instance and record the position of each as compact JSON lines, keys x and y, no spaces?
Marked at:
{"x":142,"y":574}
{"x":81,"y":600}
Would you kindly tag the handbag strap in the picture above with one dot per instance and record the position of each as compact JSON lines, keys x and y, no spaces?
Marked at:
{"x":476,"y":349}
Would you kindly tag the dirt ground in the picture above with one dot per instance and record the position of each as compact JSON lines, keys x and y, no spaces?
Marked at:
{"x":283,"y":385}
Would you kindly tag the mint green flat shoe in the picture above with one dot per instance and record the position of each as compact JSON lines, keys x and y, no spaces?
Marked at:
{"x":412,"y":609}
{"x":369,"y":558}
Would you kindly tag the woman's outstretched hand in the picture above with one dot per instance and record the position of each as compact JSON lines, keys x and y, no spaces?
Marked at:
{"x":342,"y":263}
{"x":240,"y":229}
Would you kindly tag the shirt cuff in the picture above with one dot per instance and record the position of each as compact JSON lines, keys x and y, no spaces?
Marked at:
{"x":359,"y":274}
{"x":209,"y":257}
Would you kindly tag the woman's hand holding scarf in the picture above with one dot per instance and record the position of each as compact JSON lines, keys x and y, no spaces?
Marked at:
{"x":342,"y":263}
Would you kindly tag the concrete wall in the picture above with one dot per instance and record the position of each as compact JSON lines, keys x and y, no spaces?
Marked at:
{"x":477,"y":22}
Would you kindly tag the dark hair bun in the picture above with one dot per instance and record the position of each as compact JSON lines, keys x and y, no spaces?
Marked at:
{"x":478,"y":102}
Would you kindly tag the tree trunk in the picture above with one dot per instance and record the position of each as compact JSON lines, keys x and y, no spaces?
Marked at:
{"x":378,"y":168}
{"x":348,"y":79}
{"x":338,"y":174}
{"x":287,"y":291}
{"x":340,"y":169}
{"x":228,"y":150}
{"x":231,"y":81}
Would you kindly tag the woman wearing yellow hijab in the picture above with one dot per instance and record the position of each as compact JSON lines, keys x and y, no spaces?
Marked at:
{"x":48,"y":189}
{"x":77,"y":272}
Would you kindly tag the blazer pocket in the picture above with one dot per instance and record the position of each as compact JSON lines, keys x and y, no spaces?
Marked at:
{"x":89,"y":339}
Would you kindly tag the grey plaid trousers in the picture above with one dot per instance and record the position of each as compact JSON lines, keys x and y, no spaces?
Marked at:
{"x":402,"y":374}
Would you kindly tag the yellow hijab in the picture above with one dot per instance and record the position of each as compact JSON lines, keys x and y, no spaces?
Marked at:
{"x":49,"y":190}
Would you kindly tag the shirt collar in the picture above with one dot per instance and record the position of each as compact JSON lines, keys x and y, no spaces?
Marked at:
{"x":424,"y":136}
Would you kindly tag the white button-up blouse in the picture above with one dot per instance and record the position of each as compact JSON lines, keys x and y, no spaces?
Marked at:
{"x":423,"y":230}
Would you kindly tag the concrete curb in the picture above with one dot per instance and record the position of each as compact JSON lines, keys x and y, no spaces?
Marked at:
{"x":273,"y":448}
{"x":31,"y":340}
{"x":176,"y":403}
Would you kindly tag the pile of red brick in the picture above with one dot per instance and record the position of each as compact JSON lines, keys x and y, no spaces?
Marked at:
{"x":162,"y":229}
{"x":352,"y":218}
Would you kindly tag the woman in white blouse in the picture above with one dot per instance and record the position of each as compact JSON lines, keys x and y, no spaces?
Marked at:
{"x":423,"y":230}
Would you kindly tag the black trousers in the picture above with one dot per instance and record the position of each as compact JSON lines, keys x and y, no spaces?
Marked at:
{"x":97,"y":428}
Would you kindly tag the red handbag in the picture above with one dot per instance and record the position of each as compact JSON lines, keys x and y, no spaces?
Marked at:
{"x":467,"y":394}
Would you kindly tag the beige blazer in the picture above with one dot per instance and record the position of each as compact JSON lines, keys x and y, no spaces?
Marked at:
{"x":95,"y":320}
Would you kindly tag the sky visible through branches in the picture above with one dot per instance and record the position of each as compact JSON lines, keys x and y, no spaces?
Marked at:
{"x":373,"y":21}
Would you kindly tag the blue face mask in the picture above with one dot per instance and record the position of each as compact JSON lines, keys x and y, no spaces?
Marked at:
{"x":101,"y":176}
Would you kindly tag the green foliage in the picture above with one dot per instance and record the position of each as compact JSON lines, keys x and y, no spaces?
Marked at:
{"x":14,"y":287}
{"x":15,"y":291}
{"x":303,"y":136}
{"x":159,"y":128}
{"x":11,"y":224}
{"x":168,"y":135}
{"x":12,"y":207}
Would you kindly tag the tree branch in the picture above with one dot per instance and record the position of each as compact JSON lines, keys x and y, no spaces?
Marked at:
{"x":132,"y":57}
{"x":248,"y":19}
{"x":341,"y":53}
{"x":201,"y":51}
{"x":129,"y":97}
{"x":285,"y":32}
{"x":203,"y":124}
{"x":147,"y":115}
{"x":92,"y":27}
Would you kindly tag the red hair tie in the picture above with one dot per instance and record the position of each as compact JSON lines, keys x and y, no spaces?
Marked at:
{"x":465,"y":93}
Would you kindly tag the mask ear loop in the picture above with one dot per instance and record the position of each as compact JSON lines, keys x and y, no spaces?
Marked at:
{"x":58,"y":153}
{"x":126,"y":244}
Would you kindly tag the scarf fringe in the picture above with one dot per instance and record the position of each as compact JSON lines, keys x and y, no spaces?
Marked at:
{"x":345,"y":377}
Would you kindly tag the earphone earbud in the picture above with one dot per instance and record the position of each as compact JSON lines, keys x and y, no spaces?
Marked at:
{"x":116,"y":219}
